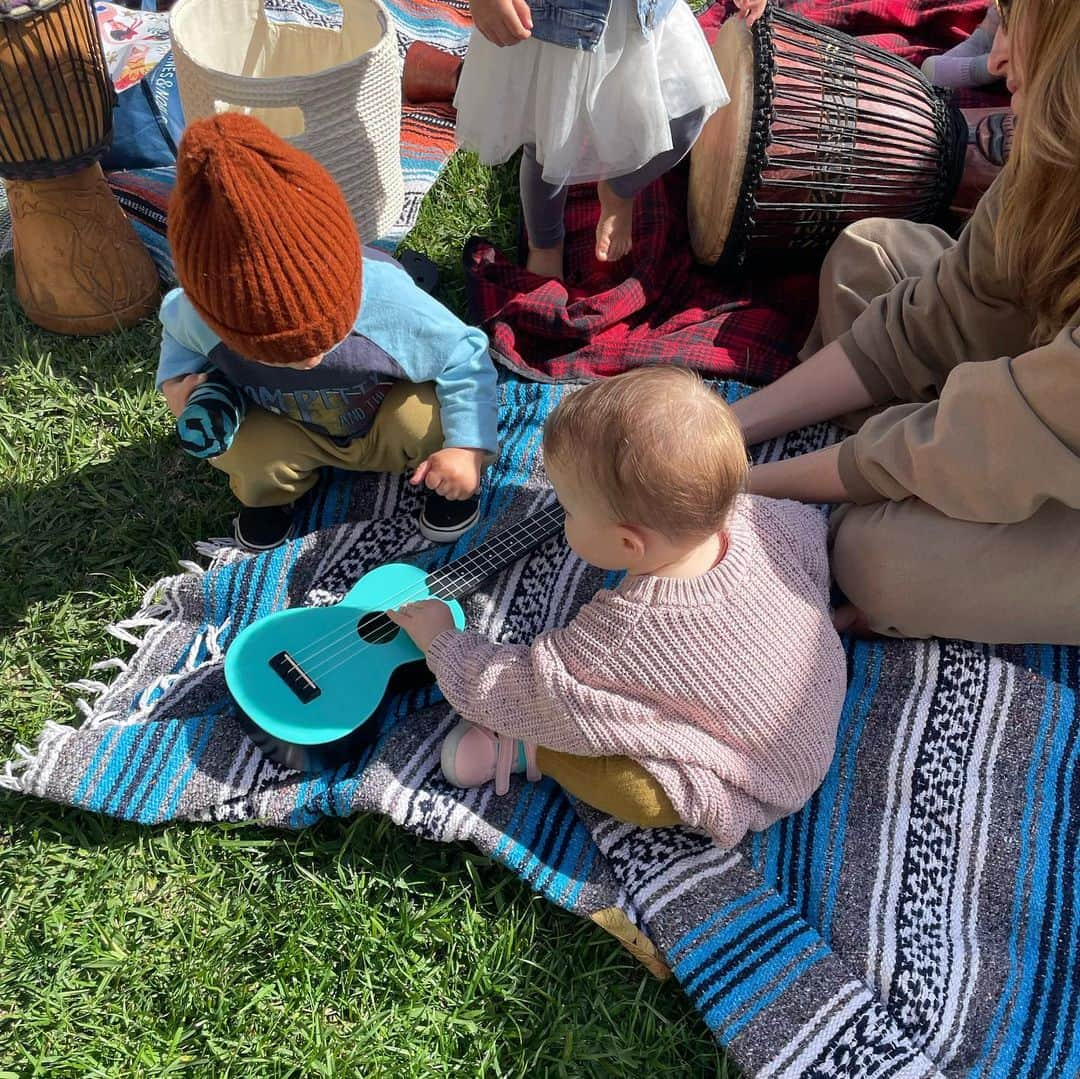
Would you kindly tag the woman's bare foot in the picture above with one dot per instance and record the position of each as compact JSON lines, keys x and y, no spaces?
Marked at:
{"x":614,"y":235}
{"x":546,"y":261}
{"x":849,"y":619}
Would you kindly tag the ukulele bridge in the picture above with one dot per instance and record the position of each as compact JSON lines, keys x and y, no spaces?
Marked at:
{"x":293,"y":675}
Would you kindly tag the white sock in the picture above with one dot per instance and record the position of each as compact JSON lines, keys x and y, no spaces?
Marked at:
{"x":949,"y":71}
{"x":978,"y":43}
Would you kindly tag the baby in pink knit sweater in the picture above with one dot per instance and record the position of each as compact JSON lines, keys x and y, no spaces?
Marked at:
{"x":706,"y":688}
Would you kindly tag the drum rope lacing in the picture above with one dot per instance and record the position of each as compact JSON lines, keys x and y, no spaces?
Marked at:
{"x":876,"y":85}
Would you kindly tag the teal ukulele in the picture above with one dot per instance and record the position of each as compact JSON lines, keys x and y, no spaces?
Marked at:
{"x":308,"y":679}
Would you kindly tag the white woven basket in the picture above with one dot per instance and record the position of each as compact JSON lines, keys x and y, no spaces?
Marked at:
{"x":335,"y":94}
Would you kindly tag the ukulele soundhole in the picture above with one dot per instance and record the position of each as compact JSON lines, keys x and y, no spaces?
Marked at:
{"x":376,"y":628}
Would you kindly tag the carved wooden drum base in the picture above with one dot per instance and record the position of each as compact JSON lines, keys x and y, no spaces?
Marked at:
{"x":79,"y":267}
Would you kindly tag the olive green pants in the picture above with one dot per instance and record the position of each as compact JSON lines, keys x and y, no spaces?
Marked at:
{"x":274,"y":460}
{"x":914,"y":571}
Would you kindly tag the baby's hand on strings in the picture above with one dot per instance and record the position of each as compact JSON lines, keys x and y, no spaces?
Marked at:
{"x":502,"y":22}
{"x":751,"y":10}
{"x":423,"y":621}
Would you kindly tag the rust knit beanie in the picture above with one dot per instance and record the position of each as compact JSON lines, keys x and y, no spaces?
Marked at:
{"x":264,"y":244}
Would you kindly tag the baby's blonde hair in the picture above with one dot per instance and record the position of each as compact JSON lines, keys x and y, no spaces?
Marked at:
{"x":657,"y":445}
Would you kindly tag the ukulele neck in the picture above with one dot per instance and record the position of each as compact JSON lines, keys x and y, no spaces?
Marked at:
{"x":464,"y":576}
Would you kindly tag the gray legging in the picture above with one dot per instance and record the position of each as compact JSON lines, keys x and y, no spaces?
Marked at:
{"x":543,"y":203}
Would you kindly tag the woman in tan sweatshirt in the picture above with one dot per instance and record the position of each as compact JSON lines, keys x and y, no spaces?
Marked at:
{"x":960,"y":495}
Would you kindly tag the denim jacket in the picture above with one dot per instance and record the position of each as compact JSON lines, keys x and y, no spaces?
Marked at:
{"x":578,"y":24}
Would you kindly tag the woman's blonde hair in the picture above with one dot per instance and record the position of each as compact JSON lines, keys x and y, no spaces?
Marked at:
{"x":1038,"y":234}
{"x":656,"y":445}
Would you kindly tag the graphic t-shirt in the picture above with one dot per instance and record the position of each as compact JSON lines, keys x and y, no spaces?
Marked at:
{"x":401,"y":334}
{"x":338,"y":398}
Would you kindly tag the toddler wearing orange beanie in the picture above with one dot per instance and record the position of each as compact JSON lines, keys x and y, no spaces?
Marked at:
{"x":342,"y":359}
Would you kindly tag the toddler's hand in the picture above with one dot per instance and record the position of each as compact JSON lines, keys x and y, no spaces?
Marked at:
{"x":502,"y":22}
{"x":423,"y":621}
{"x":751,"y":10}
{"x":177,"y":390}
{"x":453,"y":473}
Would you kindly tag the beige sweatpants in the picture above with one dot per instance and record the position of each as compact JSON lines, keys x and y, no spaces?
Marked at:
{"x":273,"y":460}
{"x":912,"y":570}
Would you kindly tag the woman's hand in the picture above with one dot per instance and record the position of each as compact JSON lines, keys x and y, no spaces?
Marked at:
{"x":453,"y":473}
{"x":423,"y":621}
{"x":503,"y":22}
{"x":751,"y":10}
{"x":177,"y":390}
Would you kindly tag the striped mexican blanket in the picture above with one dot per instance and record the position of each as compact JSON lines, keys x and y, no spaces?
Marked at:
{"x":920,"y":917}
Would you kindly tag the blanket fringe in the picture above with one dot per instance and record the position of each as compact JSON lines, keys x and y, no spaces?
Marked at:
{"x":90,"y":686}
{"x":9,"y":777}
{"x":218,"y":547}
{"x":14,"y":774}
{"x":158,"y":604}
{"x":113,"y":662}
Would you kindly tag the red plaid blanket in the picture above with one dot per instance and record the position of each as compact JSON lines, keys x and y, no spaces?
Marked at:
{"x":658,"y":306}
{"x":667,"y":310}
{"x":912,"y":29}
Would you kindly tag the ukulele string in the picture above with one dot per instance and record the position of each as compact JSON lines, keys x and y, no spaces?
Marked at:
{"x":410,"y":591}
{"x":356,"y":647}
{"x":351,"y":653}
{"x":504,"y":549}
{"x":484,"y":560}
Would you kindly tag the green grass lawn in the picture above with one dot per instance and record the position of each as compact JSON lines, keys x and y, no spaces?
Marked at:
{"x":350,"y":948}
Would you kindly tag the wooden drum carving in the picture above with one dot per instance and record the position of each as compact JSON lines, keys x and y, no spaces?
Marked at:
{"x":79,"y":267}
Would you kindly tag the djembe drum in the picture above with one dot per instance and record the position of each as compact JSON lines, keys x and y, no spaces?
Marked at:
{"x":79,"y":267}
{"x":822,"y":130}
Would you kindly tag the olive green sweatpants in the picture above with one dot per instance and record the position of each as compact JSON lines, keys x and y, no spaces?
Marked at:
{"x":274,"y":460}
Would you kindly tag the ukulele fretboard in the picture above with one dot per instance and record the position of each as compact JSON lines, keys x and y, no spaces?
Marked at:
{"x":465,"y":575}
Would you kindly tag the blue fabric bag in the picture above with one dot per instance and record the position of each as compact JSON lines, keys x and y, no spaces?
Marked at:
{"x":147,"y":122}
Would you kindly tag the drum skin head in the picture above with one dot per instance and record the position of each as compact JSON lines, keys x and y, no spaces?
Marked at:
{"x":718,"y":159}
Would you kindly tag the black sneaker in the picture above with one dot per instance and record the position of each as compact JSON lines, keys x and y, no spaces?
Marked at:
{"x":443,"y":521}
{"x":262,"y":528}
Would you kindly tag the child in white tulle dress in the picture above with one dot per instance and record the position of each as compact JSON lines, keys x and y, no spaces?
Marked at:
{"x":607,"y":91}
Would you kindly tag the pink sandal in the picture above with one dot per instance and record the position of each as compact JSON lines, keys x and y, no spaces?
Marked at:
{"x":472,"y":756}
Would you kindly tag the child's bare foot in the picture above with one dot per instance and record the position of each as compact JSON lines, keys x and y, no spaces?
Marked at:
{"x":546,"y":261}
{"x":614,"y":237}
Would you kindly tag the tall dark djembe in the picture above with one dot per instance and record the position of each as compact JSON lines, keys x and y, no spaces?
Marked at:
{"x":822,"y":130}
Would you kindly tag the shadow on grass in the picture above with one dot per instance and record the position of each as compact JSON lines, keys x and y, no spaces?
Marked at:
{"x":136,"y":514}
{"x":94,"y":487}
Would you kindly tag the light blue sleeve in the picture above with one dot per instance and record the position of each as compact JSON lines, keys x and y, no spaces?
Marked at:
{"x":433,"y":345}
{"x":186,"y":340}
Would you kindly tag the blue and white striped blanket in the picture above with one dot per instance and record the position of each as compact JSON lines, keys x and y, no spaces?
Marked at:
{"x":919,"y":917}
